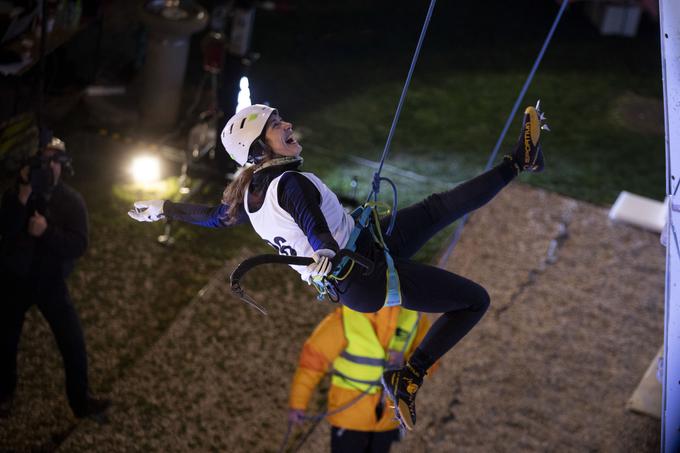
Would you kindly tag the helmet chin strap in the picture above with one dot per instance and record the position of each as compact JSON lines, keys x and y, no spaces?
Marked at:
{"x":288,"y":160}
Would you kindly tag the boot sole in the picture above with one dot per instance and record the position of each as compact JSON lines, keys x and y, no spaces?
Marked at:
{"x":400,"y":408}
{"x":532,"y":127}
{"x":531,"y":137}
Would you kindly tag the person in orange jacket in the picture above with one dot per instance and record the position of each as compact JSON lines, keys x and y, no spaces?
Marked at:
{"x":356,"y":348}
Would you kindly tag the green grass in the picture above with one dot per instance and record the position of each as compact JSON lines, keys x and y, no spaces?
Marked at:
{"x":343,"y":88}
{"x":450,"y":124}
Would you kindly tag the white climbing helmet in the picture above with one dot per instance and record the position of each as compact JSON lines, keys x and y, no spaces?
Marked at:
{"x":243,"y":129}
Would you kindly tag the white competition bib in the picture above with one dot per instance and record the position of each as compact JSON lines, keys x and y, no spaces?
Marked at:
{"x":278,"y":228}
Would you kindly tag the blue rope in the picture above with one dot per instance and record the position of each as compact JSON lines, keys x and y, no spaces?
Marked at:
{"x":395,"y":120}
{"x":513,"y":112}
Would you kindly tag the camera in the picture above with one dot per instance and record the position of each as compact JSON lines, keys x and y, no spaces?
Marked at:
{"x":40,"y":175}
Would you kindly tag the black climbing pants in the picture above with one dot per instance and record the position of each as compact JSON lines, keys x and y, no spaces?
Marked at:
{"x":427,"y":288}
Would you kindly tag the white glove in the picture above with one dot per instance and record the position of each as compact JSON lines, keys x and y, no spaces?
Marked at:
{"x":147,"y":211}
{"x":321,"y":266}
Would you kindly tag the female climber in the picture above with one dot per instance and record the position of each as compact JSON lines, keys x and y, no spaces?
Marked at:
{"x":297,"y":214}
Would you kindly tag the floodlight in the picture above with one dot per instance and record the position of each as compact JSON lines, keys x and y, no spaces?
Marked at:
{"x":145,"y":169}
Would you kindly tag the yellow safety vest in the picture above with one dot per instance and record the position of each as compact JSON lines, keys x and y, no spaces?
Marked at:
{"x":361,"y":364}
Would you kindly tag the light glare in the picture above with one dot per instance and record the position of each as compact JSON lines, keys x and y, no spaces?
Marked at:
{"x":243,"y":99}
{"x":146,"y":169}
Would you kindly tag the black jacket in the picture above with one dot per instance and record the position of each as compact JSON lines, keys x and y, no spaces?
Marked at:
{"x":56,"y":251}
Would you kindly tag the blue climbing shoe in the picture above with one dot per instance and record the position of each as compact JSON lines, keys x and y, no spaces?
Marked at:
{"x":401,"y":385}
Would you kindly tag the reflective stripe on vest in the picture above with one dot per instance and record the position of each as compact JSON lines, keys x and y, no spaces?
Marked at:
{"x":361,"y":364}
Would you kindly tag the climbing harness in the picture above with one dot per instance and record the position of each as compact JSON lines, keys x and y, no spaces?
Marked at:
{"x":365,"y":218}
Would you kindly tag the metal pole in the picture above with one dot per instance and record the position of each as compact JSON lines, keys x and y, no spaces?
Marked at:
{"x":669,"y":20}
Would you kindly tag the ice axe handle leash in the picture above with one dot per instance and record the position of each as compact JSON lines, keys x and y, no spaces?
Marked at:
{"x":258,"y":260}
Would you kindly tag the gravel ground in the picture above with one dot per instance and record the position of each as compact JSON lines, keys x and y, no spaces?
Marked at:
{"x":123,"y":315}
{"x":576,"y":317}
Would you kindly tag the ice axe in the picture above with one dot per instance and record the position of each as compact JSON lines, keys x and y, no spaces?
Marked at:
{"x":258,"y":260}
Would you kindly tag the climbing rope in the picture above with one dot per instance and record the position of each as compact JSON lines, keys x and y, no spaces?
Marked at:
{"x":386,"y":150}
{"x":459,"y":229}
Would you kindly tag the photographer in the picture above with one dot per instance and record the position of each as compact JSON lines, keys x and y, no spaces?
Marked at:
{"x":43,"y":224}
